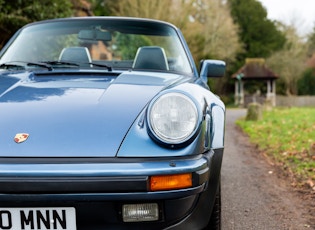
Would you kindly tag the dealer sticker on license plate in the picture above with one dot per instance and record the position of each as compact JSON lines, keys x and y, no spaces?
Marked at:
{"x":37,"y":218}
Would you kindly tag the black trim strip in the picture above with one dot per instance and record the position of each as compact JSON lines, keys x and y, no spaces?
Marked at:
{"x":70,"y":184}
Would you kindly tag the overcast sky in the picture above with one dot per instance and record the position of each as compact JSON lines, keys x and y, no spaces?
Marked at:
{"x":300,"y":13}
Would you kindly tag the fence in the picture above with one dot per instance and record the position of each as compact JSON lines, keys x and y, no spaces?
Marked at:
{"x":286,"y":101}
{"x":295,"y":101}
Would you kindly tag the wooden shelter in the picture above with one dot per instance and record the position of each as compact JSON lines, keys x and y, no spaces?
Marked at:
{"x":255,"y":69}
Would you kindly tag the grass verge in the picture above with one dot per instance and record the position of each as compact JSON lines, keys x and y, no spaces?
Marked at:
{"x":287,"y":136}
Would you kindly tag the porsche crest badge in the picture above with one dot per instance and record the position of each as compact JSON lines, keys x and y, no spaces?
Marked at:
{"x":21,"y":137}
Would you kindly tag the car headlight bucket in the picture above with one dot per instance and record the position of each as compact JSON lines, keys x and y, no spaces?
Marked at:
{"x":173,"y":118}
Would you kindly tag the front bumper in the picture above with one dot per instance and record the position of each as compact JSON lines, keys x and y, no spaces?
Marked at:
{"x":97,"y":190}
{"x":92,"y":176}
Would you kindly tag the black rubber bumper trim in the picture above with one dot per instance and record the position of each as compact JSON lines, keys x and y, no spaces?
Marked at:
{"x":69,"y":185}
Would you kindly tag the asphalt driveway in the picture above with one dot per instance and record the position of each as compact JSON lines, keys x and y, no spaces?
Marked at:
{"x":254,"y":195}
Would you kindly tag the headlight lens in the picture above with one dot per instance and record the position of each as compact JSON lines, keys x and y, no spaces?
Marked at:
{"x":173,"y":118}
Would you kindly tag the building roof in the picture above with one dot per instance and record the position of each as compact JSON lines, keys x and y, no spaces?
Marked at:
{"x":255,"y":69}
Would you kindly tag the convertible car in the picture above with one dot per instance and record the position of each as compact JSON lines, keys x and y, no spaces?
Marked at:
{"x":107,"y":123}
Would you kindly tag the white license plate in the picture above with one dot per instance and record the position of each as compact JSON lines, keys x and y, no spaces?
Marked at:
{"x":37,"y":219}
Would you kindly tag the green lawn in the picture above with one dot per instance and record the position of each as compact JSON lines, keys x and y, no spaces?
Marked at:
{"x":287,"y":136}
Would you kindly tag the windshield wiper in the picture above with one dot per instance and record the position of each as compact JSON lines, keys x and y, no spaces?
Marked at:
{"x":40,"y":64}
{"x":51,"y":64}
{"x":23,"y":65}
{"x":45,"y":64}
{"x":60,"y":63}
{"x":15,"y":65}
{"x":12,"y":66}
{"x":100,"y":65}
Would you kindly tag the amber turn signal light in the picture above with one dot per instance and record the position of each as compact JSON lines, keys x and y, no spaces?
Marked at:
{"x":170,"y":182}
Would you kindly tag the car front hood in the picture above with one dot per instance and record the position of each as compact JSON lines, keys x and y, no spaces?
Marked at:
{"x":73,"y":116}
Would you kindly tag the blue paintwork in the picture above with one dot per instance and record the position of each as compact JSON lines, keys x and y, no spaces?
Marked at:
{"x":91,"y":123}
{"x":138,"y":144}
{"x":60,"y":114}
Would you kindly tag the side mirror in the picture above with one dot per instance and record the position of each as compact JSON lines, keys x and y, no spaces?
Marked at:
{"x":212,"y":68}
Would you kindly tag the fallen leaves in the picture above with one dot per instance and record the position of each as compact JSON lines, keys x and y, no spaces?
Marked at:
{"x":287,"y":136}
{"x":311,"y":184}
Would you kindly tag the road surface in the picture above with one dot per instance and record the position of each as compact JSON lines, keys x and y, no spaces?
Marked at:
{"x":254,"y":195}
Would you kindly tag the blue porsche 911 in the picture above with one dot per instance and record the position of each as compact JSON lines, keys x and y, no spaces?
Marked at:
{"x":106,"y":123}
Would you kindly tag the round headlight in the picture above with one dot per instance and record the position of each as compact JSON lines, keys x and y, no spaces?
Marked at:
{"x":173,"y":118}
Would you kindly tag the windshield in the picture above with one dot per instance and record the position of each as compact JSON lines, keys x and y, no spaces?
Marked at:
{"x":111,"y":42}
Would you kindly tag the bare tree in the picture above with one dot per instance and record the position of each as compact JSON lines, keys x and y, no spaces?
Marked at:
{"x":289,"y":63}
{"x":206,"y":24}
{"x":217,"y":29}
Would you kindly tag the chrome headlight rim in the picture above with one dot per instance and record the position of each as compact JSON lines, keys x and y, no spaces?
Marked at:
{"x":173,"y":142}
